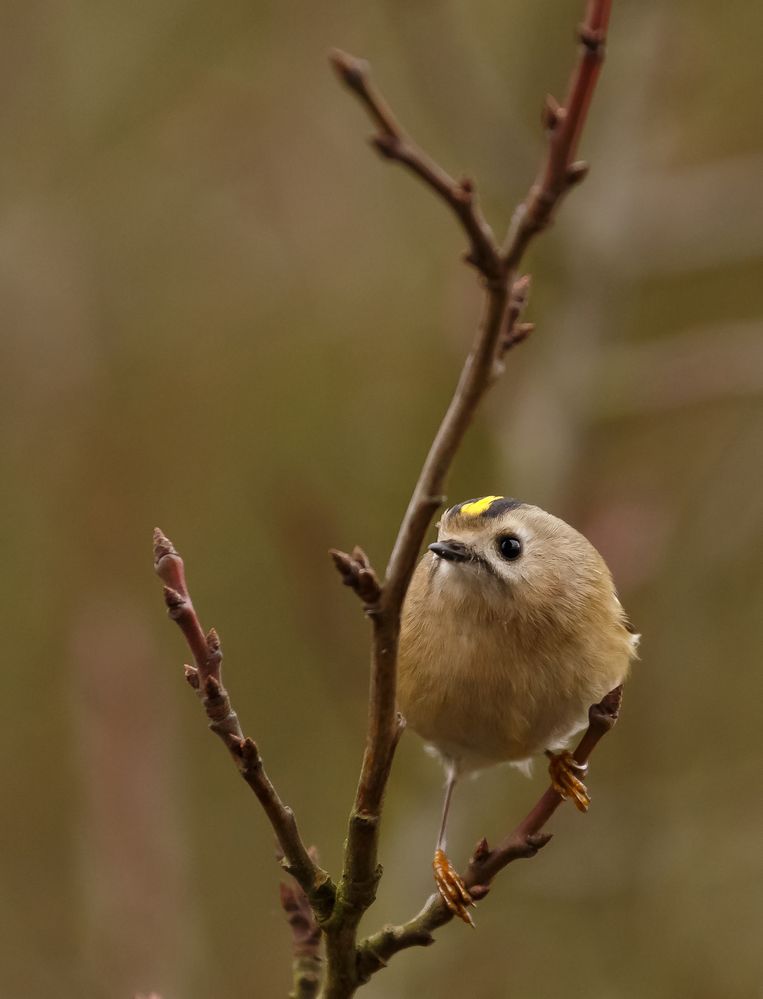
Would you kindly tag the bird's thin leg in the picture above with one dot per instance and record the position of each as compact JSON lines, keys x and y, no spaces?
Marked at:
{"x":450,"y":783}
{"x":449,"y":882}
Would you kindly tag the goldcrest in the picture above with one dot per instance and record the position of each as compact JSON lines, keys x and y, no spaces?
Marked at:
{"x":511,"y":630}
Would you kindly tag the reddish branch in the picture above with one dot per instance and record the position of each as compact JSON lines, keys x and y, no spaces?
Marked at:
{"x":564,"y":124}
{"x":485,"y":864}
{"x":205,"y":678}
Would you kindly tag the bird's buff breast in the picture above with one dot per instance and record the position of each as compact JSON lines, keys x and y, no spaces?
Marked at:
{"x":482,"y":690}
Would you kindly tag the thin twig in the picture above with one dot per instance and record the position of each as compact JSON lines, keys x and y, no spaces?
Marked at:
{"x":392,"y":143}
{"x":524,"y":841}
{"x":559,"y":171}
{"x":205,"y":678}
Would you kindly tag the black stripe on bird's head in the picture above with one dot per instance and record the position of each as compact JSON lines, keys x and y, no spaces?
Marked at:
{"x":474,"y":511}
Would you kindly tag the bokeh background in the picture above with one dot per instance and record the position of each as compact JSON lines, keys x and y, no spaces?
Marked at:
{"x":223,"y":315}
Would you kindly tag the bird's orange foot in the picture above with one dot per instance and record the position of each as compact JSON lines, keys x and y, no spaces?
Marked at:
{"x":564,"y":770}
{"x":451,"y":887}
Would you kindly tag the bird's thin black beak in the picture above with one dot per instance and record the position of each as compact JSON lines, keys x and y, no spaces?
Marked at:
{"x":452,"y":551}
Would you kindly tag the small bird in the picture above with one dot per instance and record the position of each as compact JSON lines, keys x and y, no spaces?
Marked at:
{"x":511,"y":630}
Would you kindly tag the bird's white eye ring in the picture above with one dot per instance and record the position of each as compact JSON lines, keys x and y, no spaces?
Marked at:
{"x":509,"y":546}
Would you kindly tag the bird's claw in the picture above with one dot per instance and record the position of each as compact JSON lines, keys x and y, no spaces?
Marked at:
{"x":563,"y":769}
{"x":451,"y":887}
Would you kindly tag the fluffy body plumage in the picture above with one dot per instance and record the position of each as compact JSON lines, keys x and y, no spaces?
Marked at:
{"x":501,"y":658}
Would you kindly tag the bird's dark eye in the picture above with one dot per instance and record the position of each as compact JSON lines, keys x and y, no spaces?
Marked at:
{"x":509,"y":546}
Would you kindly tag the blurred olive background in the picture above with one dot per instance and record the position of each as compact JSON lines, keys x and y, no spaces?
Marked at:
{"x":224,"y":315}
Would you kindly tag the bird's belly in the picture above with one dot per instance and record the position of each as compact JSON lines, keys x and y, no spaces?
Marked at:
{"x":479,"y":704}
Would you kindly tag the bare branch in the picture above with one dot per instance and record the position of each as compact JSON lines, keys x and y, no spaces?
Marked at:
{"x":564,"y":125}
{"x":498,"y":332}
{"x":205,"y":678}
{"x":523,"y":842}
{"x":484,"y":866}
{"x":392,"y":143}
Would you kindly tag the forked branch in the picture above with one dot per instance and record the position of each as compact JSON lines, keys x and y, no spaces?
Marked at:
{"x":498,"y":332}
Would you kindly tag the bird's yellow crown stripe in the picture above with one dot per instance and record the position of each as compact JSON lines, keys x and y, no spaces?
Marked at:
{"x":477,"y":507}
